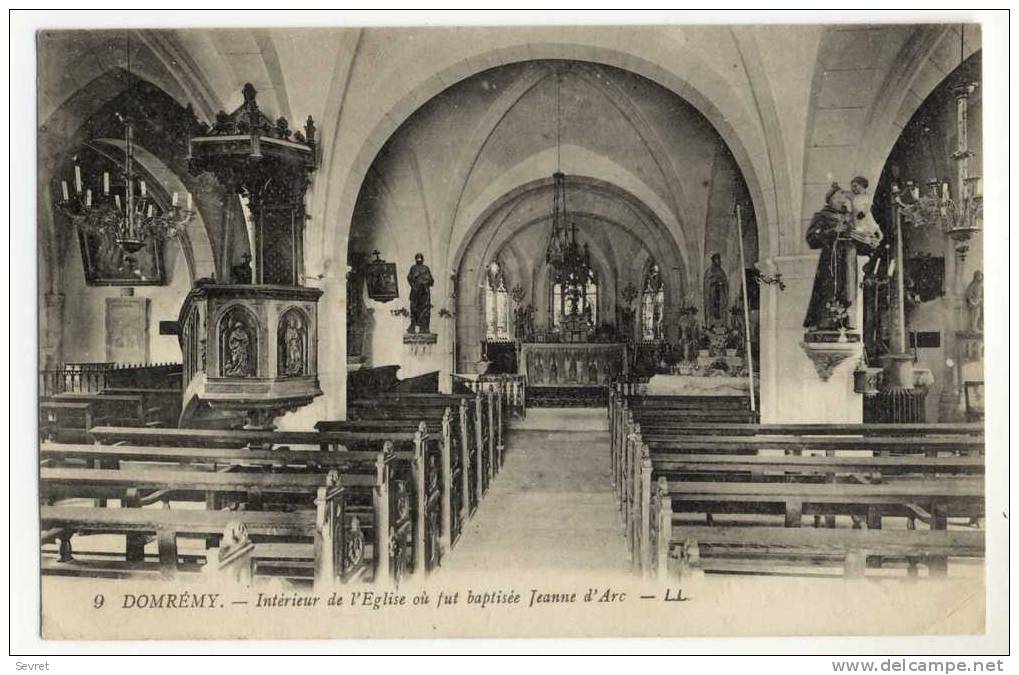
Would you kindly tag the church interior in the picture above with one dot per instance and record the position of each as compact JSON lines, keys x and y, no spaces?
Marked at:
{"x":335,"y":305}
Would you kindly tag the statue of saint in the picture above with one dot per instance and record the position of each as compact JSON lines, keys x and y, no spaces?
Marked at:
{"x":716,"y":293}
{"x":241,"y":272}
{"x":833,"y":229}
{"x":975,"y":302}
{"x":421,"y":281}
{"x":238,"y":343}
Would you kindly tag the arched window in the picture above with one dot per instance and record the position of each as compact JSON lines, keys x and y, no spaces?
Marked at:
{"x":497,"y":315}
{"x":652,"y":305}
{"x":575,"y":296}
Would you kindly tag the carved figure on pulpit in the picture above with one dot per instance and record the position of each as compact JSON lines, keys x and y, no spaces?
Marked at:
{"x":421,"y":282}
{"x":292,"y":340}
{"x":840,"y":230}
{"x":553,"y":370}
{"x":716,"y":293}
{"x":592,"y":371}
{"x":237,"y":355}
{"x":975,"y":302}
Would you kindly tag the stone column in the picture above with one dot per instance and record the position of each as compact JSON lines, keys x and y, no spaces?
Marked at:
{"x":791,"y":389}
{"x":51,"y":332}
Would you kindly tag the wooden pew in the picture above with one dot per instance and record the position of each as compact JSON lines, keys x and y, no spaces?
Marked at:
{"x":865,"y":438}
{"x":122,"y":409}
{"x":446,"y":457}
{"x":903,"y":467}
{"x":487,"y":422}
{"x":161,"y":407}
{"x":323,"y":524}
{"x":65,"y":421}
{"x":646,"y":466}
{"x":386,"y":505}
{"x":772,"y":549}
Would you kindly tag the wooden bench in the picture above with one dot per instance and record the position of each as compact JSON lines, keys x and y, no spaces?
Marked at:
{"x":65,"y":421}
{"x":388,"y":506}
{"x":487,"y":421}
{"x":323,"y":524}
{"x":767,"y":549}
{"x":447,"y":455}
{"x":835,"y":471}
{"x":920,"y":472}
{"x":161,"y":406}
{"x":122,"y":409}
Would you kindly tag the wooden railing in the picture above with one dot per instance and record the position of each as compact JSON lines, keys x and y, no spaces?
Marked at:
{"x":93,"y":378}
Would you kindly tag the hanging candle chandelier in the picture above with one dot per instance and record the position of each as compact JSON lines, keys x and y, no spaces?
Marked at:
{"x":129,"y":222}
{"x":570,"y":262}
{"x":961,"y":219}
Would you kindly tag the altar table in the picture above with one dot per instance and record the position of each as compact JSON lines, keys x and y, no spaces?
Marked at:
{"x":572,"y":364}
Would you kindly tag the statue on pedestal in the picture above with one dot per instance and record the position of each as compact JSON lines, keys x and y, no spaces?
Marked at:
{"x":421,"y":281}
{"x":716,"y":294}
{"x":840,"y":229}
{"x":975,"y":302}
{"x":241,"y":272}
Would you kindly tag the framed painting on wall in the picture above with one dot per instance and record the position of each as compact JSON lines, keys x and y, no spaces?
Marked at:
{"x":107,"y":264}
{"x":127,"y":330}
{"x":380,"y":279}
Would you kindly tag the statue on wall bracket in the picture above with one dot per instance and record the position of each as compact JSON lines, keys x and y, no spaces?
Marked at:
{"x":843,"y":228}
{"x":716,"y":294}
{"x":421,"y":282}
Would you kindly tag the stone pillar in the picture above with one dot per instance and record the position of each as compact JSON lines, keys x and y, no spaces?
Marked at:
{"x":51,"y":331}
{"x":791,"y":389}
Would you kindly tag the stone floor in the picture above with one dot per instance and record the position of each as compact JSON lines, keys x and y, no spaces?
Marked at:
{"x":551,"y":507}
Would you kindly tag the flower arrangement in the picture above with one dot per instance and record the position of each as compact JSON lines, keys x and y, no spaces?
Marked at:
{"x":838,"y":314}
{"x":517,"y":294}
{"x":630,"y":293}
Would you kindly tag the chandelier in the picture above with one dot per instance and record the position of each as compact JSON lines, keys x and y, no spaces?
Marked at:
{"x":129,"y":222}
{"x":570,"y":262}
{"x":961,"y":219}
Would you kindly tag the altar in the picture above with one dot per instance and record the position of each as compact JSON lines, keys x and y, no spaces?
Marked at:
{"x":572,"y":364}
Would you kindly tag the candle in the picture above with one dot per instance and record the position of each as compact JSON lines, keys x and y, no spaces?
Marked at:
{"x":63,"y":187}
{"x":189,"y":201}
{"x":150,"y":210}
{"x":143,"y":187}
{"x":116,"y":199}
{"x":944,"y":191}
{"x":106,"y":182}
{"x":174,"y":199}
{"x":77,"y":178}
{"x":88,"y":198}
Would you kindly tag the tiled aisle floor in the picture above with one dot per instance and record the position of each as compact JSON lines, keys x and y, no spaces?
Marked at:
{"x":551,"y":507}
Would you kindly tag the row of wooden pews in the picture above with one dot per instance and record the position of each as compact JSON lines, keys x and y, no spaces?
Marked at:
{"x":69,"y":416}
{"x":700,"y":493}
{"x":366,"y":499}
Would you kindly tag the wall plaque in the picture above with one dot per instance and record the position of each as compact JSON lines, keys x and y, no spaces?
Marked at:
{"x":127,"y":330}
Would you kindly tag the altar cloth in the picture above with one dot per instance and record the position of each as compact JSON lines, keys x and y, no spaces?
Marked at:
{"x":694,"y":385}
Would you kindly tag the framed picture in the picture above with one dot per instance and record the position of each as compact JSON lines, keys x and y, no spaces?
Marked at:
{"x":925,"y":277}
{"x":127,"y":330}
{"x":107,"y":264}
{"x":380,"y":278}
